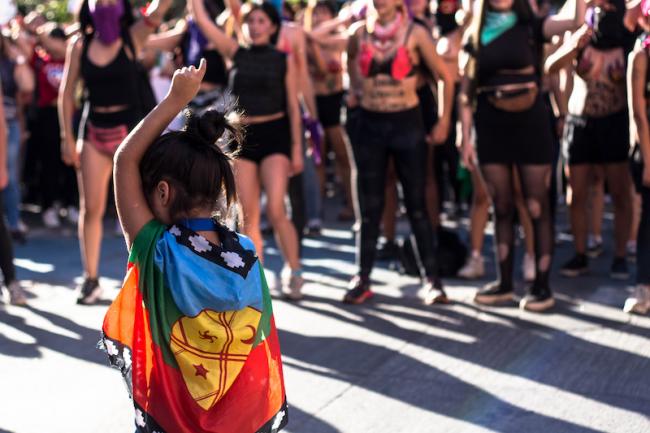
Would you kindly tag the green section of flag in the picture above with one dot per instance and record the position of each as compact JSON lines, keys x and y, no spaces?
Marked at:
{"x":264,"y":328}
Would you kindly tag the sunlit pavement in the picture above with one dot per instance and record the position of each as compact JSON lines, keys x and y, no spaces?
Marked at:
{"x":392,"y":365}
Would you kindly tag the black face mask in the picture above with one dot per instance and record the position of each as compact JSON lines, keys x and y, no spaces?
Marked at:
{"x":446,"y":23}
{"x":609,"y":31}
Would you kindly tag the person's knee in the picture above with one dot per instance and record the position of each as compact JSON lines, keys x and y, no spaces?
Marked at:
{"x":534,"y":208}
{"x":276,"y":213}
{"x":504,"y":209}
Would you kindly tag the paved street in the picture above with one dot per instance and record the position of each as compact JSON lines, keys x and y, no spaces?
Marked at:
{"x":390,"y":366}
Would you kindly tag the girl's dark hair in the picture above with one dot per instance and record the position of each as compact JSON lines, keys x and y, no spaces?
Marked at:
{"x":193,"y":162}
{"x":271,"y":12}
{"x":214,"y":8}
{"x":472,"y":42}
{"x":327,"y":4}
{"x":86,"y":20}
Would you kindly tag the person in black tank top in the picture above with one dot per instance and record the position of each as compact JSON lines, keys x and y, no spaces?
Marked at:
{"x":501,"y":84}
{"x":104,"y":57}
{"x":263,"y":82}
{"x":189,"y":46}
{"x":639,"y":92}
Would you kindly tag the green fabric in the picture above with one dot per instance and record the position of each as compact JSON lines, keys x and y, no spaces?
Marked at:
{"x":157,"y":298}
{"x":264,"y":328}
{"x":496,"y":24}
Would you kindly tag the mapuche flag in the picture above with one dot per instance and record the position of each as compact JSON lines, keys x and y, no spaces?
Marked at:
{"x":193,"y":334}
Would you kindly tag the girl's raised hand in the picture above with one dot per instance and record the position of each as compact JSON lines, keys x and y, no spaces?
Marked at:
{"x":186,"y":83}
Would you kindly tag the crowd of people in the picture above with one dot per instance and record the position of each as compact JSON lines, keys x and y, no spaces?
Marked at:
{"x":522,"y":102}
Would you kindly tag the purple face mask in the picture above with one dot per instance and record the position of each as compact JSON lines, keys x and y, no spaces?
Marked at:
{"x":106,"y":19}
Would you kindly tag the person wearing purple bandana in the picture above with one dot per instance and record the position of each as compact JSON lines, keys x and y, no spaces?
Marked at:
{"x":104,"y":56}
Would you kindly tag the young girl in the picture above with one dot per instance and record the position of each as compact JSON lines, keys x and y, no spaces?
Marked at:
{"x":192,"y":329}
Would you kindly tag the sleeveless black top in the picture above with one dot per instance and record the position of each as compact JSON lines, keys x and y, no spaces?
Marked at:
{"x":113,"y":84}
{"x":517,"y":48}
{"x":258,"y":80}
{"x":216,"y":72}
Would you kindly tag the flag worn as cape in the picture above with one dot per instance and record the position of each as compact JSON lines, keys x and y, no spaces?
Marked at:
{"x":193,"y":334}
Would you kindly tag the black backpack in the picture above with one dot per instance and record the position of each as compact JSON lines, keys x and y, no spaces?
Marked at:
{"x":451,"y":254}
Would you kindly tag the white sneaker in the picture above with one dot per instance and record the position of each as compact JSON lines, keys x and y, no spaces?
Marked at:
{"x":473,"y":268}
{"x":16,"y":294}
{"x":640,"y":303}
{"x":293,"y":287}
{"x":73,"y":215}
{"x":528,"y":268}
{"x":51,"y":218}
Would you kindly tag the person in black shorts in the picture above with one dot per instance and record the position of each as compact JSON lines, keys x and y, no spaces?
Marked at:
{"x":501,"y":86}
{"x":596,"y":133}
{"x":103,"y":57}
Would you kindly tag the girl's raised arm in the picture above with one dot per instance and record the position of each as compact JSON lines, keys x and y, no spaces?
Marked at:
{"x":132,"y":206}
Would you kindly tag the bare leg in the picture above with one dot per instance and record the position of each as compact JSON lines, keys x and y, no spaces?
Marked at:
{"x":619,"y":182}
{"x":248,"y":191}
{"x":94,"y":175}
{"x":479,"y":213}
{"x":274,"y":175}
{"x":579,"y":179}
{"x":597,"y":202}
{"x":337,"y":138}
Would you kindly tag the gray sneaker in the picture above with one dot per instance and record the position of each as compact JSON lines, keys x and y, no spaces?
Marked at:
{"x":293,"y":287}
{"x":16,"y":294}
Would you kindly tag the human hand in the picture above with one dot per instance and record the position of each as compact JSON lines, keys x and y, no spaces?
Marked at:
{"x":581,"y":37}
{"x":297,"y":163}
{"x":69,"y":153}
{"x":468,"y":155}
{"x":440,"y":131}
{"x":186,"y":83}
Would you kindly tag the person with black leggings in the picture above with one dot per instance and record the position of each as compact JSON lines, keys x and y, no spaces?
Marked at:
{"x":16,"y":293}
{"x":104,"y":56}
{"x":500,"y":96}
{"x":384,"y":57}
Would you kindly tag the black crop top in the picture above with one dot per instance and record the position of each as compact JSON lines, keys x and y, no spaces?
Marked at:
{"x":258,"y":80}
{"x":216,"y":66}
{"x":517,"y":48}
{"x":113,"y":84}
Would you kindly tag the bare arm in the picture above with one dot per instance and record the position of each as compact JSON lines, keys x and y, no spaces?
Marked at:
{"x":356,"y":82}
{"x":66,"y":101}
{"x":224,"y":44}
{"x":427,"y":49}
{"x":167,"y":41}
{"x":636,"y":78}
{"x":467,"y":123}
{"x":568,"y":52}
{"x":132,"y":206}
{"x":293,"y":109}
{"x":556,"y":25}
{"x":144,"y":27}
{"x":306,"y":89}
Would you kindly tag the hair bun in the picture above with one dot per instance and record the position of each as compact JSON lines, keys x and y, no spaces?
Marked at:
{"x":210,"y":125}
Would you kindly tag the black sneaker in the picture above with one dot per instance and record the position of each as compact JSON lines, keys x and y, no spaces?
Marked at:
{"x":619,"y":269}
{"x":433,"y":292}
{"x":494,"y":293}
{"x":538,"y":299}
{"x":359,"y":291}
{"x":90,"y":292}
{"x":387,"y":250}
{"x":575,"y":267}
{"x":595,"y":250}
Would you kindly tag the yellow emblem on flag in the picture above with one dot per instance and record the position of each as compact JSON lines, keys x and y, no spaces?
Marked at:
{"x":211,"y":350}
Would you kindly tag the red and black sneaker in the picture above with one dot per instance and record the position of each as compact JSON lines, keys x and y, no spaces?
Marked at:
{"x":359,"y":291}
